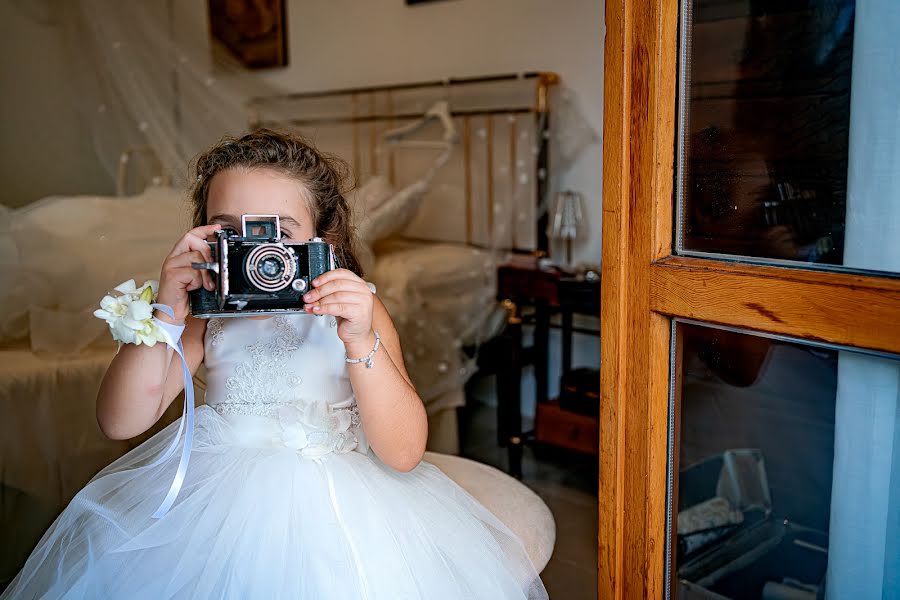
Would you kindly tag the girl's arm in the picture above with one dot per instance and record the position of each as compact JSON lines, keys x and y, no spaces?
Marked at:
{"x":391,"y":411}
{"x":141,"y":382}
{"x":392,"y":414}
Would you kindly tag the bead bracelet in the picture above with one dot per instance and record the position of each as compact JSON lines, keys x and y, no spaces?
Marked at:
{"x":368,"y":359}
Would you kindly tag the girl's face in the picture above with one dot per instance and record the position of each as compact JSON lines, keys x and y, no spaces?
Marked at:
{"x":260,"y":191}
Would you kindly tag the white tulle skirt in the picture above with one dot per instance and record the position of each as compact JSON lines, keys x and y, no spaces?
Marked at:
{"x":256,"y":520}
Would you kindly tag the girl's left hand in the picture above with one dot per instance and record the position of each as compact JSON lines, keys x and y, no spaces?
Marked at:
{"x":345,"y":296}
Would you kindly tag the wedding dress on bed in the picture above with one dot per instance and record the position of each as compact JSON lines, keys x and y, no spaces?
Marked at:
{"x":282,"y":498}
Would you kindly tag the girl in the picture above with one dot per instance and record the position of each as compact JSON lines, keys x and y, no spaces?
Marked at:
{"x":306,"y":477}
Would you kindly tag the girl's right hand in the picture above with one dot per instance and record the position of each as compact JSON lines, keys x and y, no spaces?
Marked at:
{"x":178,"y":277}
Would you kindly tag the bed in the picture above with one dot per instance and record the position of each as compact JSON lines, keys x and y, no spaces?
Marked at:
{"x":435,"y":268}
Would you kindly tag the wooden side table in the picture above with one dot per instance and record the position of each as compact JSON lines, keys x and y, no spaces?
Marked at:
{"x":523,"y":285}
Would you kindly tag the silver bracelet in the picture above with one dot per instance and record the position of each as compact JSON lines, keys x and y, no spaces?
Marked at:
{"x":368,"y":359}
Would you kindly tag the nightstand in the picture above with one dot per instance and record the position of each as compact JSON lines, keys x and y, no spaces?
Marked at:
{"x":532,"y":295}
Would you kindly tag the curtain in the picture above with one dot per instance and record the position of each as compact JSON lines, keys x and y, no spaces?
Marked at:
{"x":864,"y":537}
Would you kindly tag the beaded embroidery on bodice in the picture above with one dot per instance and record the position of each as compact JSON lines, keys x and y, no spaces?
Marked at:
{"x":255,"y":365}
{"x":289,"y":367}
{"x":265,"y":378}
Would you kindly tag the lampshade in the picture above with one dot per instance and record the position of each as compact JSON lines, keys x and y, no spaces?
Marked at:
{"x":567,"y":220}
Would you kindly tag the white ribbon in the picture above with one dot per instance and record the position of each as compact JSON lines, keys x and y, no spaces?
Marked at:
{"x":187,"y":416}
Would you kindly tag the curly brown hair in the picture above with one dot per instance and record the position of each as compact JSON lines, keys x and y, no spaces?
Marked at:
{"x":326,"y":177}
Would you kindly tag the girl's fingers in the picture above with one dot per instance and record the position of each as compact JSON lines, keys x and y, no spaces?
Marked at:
{"x":336,"y":285}
{"x":341,"y":304}
{"x":201,"y":256}
{"x":205,"y":230}
{"x":183,"y":262}
{"x":197,"y":244}
{"x":195,"y":239}
{"x":195,"y":284}
{"x":335,"y":309}
{"x":350,"y":298}
{"x":354,"y":307}
{"x":335,"y":274}
{"x":188,"y":277}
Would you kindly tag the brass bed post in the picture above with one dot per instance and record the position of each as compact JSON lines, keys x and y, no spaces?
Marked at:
{"x":513,"y":180}
{"x":373,"y":133}
{"x":542,"y":116}
{"x":489,"y":168}
{"x":467,"y":175}
{"x":392,"y":172}
{"x":356,"y":155}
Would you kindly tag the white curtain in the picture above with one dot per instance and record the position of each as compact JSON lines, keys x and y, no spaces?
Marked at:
{"x":148,"y":77}
{"x":864,"y":537}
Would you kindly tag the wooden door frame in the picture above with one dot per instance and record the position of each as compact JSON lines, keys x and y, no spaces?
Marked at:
{"x":644,"y":286}
{"x":638,"y":142}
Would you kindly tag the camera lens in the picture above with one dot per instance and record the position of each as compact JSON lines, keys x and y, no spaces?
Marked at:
{"x":270,"y":268}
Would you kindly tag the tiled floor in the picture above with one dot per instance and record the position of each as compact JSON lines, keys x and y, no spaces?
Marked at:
{"x":567,"y":482}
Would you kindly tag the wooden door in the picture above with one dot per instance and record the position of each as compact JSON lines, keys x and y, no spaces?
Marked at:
{"x":705,"y":103}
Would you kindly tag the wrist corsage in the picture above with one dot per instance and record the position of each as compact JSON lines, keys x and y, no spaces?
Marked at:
{"x":130,"y":314}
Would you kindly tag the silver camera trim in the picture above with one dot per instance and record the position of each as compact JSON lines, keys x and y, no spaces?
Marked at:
{"x":222,"y":258}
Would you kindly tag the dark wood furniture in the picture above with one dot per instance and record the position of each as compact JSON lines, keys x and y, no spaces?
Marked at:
{"x":532,"y":295}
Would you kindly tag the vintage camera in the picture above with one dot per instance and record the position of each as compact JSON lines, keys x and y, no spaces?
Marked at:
{"x":258,"y":274}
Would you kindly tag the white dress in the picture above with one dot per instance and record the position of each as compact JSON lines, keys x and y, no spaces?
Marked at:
{"x":282,"y":498}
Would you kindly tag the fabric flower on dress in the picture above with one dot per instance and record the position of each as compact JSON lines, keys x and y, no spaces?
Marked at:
{"x":314,"y":429}
{"x":130,"y":314}
{"x":293,"y":433}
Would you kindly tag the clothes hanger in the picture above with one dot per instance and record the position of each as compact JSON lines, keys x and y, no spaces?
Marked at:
{"x":440,"y":111}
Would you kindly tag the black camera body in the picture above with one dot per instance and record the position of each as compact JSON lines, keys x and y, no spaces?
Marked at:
{"x":258,"y":274}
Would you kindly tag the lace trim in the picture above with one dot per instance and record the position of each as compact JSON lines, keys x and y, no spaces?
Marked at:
{"x":255,"y":409}
{"x":264,"y":378}
{"x":215,"y":328}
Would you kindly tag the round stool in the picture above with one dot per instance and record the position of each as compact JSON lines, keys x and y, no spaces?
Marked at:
{"x":510,"y":500}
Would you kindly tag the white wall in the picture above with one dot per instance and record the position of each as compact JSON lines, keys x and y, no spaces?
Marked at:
{"x":344,"y":43}
{"x":45,"y":147}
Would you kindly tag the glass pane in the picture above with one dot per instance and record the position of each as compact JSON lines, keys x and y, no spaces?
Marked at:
{"x":791,"y":131}
{"x":788,"y":470}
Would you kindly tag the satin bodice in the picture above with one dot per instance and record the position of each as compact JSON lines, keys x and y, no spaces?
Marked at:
{"x":255,"y":365}
{"x":289,"y":368}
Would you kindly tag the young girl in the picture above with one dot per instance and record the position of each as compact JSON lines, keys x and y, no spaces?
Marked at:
{"x":306,"y":477}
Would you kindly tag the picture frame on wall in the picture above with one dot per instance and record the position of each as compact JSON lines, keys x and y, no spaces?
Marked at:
{"x":254,"y":32}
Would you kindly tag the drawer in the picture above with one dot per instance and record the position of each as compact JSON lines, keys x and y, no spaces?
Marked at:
{"x":566,"y":429}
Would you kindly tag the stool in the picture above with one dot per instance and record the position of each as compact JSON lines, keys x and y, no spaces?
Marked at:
{"x":508,"y":499}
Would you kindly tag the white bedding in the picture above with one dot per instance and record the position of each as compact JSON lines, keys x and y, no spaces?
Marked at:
{"x":67,"y":252}
{"x":50,"y":443}
{"x":441,"y":296}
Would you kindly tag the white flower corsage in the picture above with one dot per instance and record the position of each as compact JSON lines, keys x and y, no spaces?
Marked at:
{"x":130,"y":314}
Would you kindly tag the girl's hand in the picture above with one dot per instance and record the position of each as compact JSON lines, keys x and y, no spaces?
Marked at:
{"x":344,"y":295}
{"x":178,"y":277}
